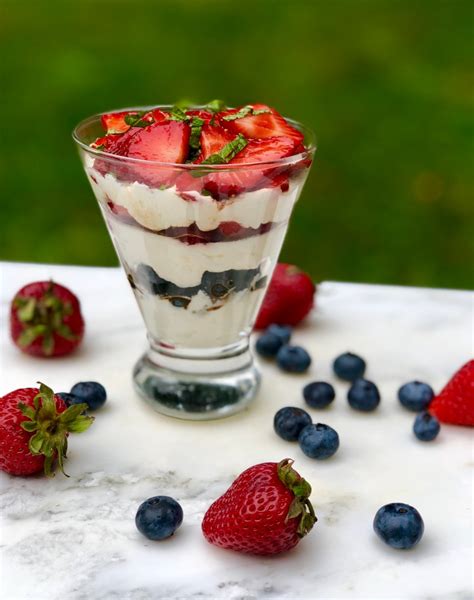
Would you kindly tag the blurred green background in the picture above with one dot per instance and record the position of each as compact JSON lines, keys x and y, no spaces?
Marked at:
{"x":386,"y":85}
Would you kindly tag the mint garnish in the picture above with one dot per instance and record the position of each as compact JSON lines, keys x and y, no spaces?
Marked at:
{"x":245,"y":111}
{"x":135,"y":120}
{"x":178,"y":114}
{"x":195,"y":137}
{"x":215,"y":105}
{"x":228,"y":152}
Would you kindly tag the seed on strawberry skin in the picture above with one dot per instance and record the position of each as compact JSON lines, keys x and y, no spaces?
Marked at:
{"x":426,"y":427}
{"x":159,"y":517}
{"x":349,"y":366}
{"x":319,"y":441}
{"x":415,"y":395}
{"x":399,"y":525}
{"x":293,"y":359}
{"x":89,"y":392}
{"x":290,"y":421}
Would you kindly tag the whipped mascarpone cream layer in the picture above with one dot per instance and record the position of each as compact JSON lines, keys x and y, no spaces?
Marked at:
{"x":197,"y":326}
{"x":160,"y":209}
{"x":184,"y":265}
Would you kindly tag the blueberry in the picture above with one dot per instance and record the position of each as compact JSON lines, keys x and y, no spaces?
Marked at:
{"x":399,"y":525}
{"x":426,"y":427}
{"x":363,"y":395}
{"x":282,"y":331}
{"x":415,"y":395}
{"x":318,"y":394}
{"x":293,"y":359}
{"x":159,"y":517}
{"x":219,"y":285}
{"x":289,"y":422}
{"x":68,"y":398}
{"x":90,"y":392}
{"x":349,"y":366}
{"x":148,"y":279}
{"x":268,"y":345}
{"x":318,"y":441}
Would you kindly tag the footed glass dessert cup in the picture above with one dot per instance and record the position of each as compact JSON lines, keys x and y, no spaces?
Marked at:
{"x":198,"y":244}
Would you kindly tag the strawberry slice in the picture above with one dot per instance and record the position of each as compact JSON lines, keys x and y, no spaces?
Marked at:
{"x":167,"y":141}
{"x":105,"y":142}
{"x":225,"y":184}
{"x":115,"y":122}
{"x":213,"y":139}
{"x":205,"y":115}
{"x":258,"y":121}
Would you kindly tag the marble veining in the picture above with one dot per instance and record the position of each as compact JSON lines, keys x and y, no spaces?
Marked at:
{"x":75,"y":537}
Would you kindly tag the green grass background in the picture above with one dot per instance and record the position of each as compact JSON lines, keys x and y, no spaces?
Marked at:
{"x":386,"y":85}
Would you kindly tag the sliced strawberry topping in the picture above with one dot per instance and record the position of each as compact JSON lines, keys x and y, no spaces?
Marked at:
{"x":213,"y":139}
{"x":260,"y":121}
{"x":104,"y":143}
{"x":205,"y":115}
{"x":115,"y":122}
{"x":167,"y":141}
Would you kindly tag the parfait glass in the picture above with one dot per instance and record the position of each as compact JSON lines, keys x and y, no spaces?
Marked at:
{"x":198,"y":245}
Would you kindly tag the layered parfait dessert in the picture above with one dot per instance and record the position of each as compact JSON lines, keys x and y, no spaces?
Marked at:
{"x":197,"y":201}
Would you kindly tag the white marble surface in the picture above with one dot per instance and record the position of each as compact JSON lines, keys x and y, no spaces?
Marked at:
{"x":76,"y":539}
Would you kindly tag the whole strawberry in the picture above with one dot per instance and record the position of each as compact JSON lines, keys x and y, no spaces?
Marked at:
{"x":46,"y":320}
{"x":34,"y":427}
{"x":265,"y":511}
{"x":289,"y":298}
{"x":455,"y":403}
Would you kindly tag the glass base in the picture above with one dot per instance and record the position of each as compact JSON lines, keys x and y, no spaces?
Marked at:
{"x":199,"y":387}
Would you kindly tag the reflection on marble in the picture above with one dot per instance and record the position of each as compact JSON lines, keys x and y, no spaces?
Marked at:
{"x":75,"y":538}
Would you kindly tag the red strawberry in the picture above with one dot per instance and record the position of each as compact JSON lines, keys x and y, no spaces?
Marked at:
{"x":227,"y":183}
{"x":205,"y":115}
{"x":167,"y":141}
{"x":289,"y":297}
{"x":267,"y":122}
{"x":265,"y":511}
{"x":46,"y":319}
{"x":115,"y":122}
{"x":213,"y":139}
{"x":34,"y":426}
{"x":455,"y":403}
{"x":106,"y":142}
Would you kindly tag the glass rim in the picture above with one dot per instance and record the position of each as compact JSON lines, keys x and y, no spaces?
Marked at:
{"x":310,"y":149}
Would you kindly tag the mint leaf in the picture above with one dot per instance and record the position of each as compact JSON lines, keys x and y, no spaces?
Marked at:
{"x":215,"y":105}
{"x":195,"y":137}
{"x":178,"y":114}
{"x":135,"y":120}
{"x":228,"y":152}
{"x":245,"y":111}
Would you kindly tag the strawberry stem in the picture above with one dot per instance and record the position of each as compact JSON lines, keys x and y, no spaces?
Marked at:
{"x":50,"y":428}
{"x":301,"y":506}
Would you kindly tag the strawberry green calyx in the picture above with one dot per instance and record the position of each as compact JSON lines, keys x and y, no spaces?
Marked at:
{"x":50,"y":428}
{"x":43,"y":317}
{"x":301,"y":506}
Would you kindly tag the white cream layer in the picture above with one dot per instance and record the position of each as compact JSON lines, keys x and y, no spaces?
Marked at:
{"x":184,"y":265}
{"x":195,"y":327}
{"x":159,"y":209}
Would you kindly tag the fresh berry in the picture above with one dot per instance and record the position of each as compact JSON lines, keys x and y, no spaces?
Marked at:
{"x":106,"y":142}
{"x":363,"y":395}
{"x":282,"y":331}
{"x":163,"y":142}
{"x":399,"y":525}
{"x":455,"y":403}
{"x":268,"y":345}
{"x":415,"y":395}
{"x":318,"y":441}
{"x":213,"y":139}
{"x":289,"y":297}
{"x":159,"y":517}
{"x":293,"y":359}
{"x":265,"y":511}
{"x":259,"y":121}
{"x":426,"y":427}
{"x":67,"y":398}
{"x":318,"y":394}
{"x":89,"y":392}
{"x":114,"y":123}
{"x":34,"y":426}
{"x":290,"y":421}
{"x":46,"y":319}
{"x":349,"y":367}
